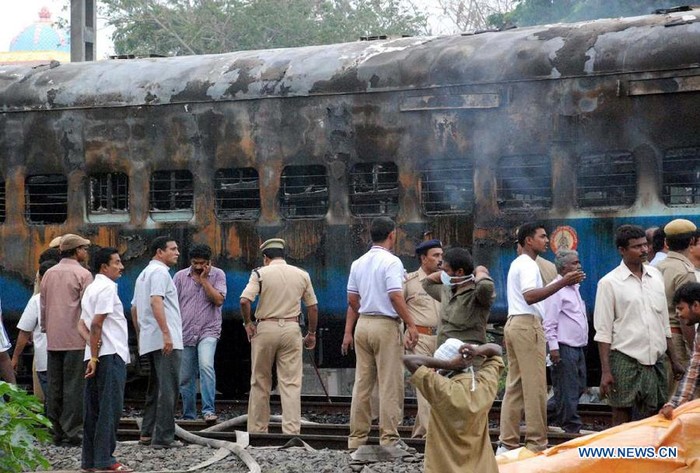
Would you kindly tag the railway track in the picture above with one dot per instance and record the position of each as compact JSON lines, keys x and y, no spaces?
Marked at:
{"x":596,"y":416}
{"x":332,"y":436}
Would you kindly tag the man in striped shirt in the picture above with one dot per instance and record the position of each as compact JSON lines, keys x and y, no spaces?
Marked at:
{"x":687,"y":302}
{"x":201,"y":290}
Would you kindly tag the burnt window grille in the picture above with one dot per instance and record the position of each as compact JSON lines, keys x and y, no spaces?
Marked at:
{"x":304,"y":191}
{"x":46,"y":198}
{"x":606,"y":180}
{"x":2,"y":200}
{"x":681,"y":177}
{"x":171,"y":191}
{"x":447,"y":187}
{"x":524,"y":182}
{"x":374,"y":189}
{"x":108,"y":193}
{"x":237,"y":193}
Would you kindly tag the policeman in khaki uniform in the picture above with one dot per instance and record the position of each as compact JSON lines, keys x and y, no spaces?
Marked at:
{"x":426,"y":313}
{"x":276,"y":336}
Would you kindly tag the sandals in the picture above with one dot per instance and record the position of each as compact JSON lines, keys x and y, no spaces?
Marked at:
{"x":145,"y":440}
{"x":211,"y":418}
{"x":114,"y":467}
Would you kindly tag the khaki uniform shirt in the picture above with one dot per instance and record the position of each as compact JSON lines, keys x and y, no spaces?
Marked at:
{"x":424,"y":309}
{"x":283,"y":285}
{"x":458,"y":432}
{"x":464,"y":314}
{"x":548,"y":270}
{"x":676,"y":270}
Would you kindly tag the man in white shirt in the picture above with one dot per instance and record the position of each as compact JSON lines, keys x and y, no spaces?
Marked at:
{"x":633,"y":331}
{"x":6,"y":371}
{"x":106,"y":353}
{"x":375,"y":297}
{"x":526,"y":382}
{"x":30,"y":329}
{"x":155,"y":312}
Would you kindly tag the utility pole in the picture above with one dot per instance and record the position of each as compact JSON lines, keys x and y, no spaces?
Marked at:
{"x":83,"y":18}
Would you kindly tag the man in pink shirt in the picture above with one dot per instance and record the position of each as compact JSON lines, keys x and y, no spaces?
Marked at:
{"x":566,"y":331}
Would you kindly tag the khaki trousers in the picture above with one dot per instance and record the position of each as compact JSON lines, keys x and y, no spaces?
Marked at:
{"x":281,"y":343}
{"x":526,"y":384}
{"x":378,"y":350}
{"x":425,"y":346}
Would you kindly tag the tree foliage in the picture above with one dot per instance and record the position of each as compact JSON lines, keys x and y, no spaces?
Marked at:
{"x":469,"y":15}
{"x":180,"y":27}
{"x":22,"y":425}
{"x":537,"y":12}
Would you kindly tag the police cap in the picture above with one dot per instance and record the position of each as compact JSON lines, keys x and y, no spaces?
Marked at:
{"x":423,"y":247}
{"x":273,"y":243}
{"x":679,"y":226}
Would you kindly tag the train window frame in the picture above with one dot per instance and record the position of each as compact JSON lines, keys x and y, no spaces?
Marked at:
{"x":3,"y":200}
{"x":370,"y":186}
{"x":532,"y":163}
{"x":60,"y":199}
{"x":602,"y":174}
{"x":110,"y":189}
{"x":179,"y":202}
{"x":305,"y":177}
{"x":447,"y":175}
{"x":247,"y":179}
{"x":680,"y":157}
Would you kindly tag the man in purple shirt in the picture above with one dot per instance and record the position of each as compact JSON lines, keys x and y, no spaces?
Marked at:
{"x":201,"y":290}
{"x":566,"y":331}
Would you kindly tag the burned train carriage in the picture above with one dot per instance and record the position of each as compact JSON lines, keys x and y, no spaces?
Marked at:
{"x":582,"y":126}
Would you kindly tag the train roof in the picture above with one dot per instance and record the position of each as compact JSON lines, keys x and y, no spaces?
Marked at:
{"x":645,"y":43}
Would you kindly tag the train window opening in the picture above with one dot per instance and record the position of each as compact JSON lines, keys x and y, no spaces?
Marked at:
{"x":46,"y":198}
{"x":681,"y":177}
{"x":447,"y":187}
{"x":524,"y":182}
{"x":172,"y":195}
{"x":606,"y":180}
{"x":237,"y":193}
{"x":304,"y":191}
{"x":2,"y":201}
{"x":374,"y":189}
{"x":109,"y":193}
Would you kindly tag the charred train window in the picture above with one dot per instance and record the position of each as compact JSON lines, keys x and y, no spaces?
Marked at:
{"x":524,"y":182}
{"x":681,"y":177}
{"x":374,"y":189}
{"x":171,"y":191}
{"x":47,"y":198}
{"x":109,"y":193}
{"x":304,"y":191}
{"x":447,"y":187}
{"x":237,"y":193}
{"x":606,"y":180}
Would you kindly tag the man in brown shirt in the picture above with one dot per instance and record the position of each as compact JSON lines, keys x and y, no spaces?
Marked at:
{"x":62,"y":288}
{"x":677,"y":270}
{"x":426,"y":313}
{"x":466,"y":296}
{"x":277,"y":336}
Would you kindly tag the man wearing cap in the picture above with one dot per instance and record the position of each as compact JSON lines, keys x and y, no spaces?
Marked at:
{"x":376,"y":303}
{"x":458,"y":434}
{"x":677,"y":270}
{"x":276,"y":337}
{"x":155,"y":313}
{"x":62,"y":288}
{"x":425,"y":312}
